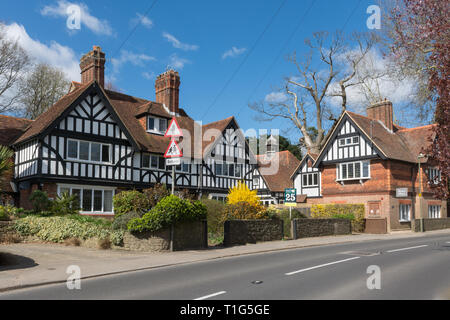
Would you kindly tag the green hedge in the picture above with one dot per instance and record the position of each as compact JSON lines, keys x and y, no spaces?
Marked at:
{"x":130,"y":201}
{"x":353,"y":212}
{"x":170,"y":210}
{"x":57,"y":229}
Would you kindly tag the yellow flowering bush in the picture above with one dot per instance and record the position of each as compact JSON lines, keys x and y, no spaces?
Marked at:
{"x":243,"y":203}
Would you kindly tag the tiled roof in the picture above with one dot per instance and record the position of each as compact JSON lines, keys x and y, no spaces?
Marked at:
{"x":281,"y":179}
{"x":11,"y":128}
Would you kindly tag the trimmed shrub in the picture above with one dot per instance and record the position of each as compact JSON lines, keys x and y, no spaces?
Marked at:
{"x":120,"y":222}
{"x":215,"y":215}
{"x":58,"y":229}
{"x":353,"y":212}
{"x":170,"y":210}
{"x":40,"y":201}
{"x":130,"y":201}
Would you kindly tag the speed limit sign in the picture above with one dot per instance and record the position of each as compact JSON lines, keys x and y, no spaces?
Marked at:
{"x":290,"y":197}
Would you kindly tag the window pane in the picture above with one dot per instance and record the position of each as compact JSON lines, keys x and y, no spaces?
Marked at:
{"x":98,"y":200}
{"x":162,"y":125}
{"x":357,"y":170}
{"x":350,"y":170}
{"x":154,"y":161}
{"x":365,"y":169}
{"x":146,"y":161}
{"x":225,"y":169}
{"x":87,"y":200}
{"x":238,"y":170}
{"x":95,"y":151}
{"x":355,"y":139}
{"x":185,"y":167}
{"x":107,"y":201}
{"x":72,"y":149}
{"x":218,"y":169}
{"x":305,"y":180}
{"x":342,"y":142}
{"x":315,"y":179}
{"x":161,"y":163}
{"x":348,"y":141}
{"x":310,"y":182}
{"x":64,"y":190}
{"x":150,"y":123}
{"x":343,"y":171}
{"x":105,"y":153}
{"x":84,"y":150}
{"x":231,"y":169}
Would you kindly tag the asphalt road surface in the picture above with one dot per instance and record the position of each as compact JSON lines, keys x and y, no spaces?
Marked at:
{"x":412,"y":268}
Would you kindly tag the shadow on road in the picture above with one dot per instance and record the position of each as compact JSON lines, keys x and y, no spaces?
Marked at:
{"x":9,"y":261}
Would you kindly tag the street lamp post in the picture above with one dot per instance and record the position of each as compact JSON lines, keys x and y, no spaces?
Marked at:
{"x":419,"y":157}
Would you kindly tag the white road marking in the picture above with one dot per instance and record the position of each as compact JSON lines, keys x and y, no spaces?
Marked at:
{"x":320,"y":266}
{"x":409,"y":248}
{"x":211,"y":295}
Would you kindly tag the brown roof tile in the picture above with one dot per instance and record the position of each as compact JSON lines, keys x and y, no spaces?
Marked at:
{"x":11,"y":128}
{"x":287,"y":164}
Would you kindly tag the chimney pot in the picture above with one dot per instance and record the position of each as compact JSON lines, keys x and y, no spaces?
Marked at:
{"x":382,"y":111}
{"x":92,"y":66}
{"x":167,"y":88}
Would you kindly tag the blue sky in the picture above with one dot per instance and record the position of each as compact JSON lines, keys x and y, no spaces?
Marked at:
{"x":220,"y":48}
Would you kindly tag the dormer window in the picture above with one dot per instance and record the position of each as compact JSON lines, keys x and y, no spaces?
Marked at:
{"x":156,"y":125}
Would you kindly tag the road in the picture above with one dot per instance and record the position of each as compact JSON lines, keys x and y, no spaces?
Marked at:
{"x":412,"y":268}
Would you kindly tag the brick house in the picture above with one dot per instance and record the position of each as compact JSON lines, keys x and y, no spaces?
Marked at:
{"x":371,"y":160}
{"x":96,"y":142}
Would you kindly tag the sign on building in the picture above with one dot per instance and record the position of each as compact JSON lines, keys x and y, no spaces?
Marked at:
{"x":401,"y":192}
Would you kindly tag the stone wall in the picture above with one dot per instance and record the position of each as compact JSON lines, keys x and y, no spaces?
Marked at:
{"x":376,"y":226}
{"x":241,"y":232}
{"x":304,"y":228}
{"x":184,"y":236}
{"x":430,"y":224}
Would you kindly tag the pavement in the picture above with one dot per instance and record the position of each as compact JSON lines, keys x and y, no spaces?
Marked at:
{"x":44,"y":264}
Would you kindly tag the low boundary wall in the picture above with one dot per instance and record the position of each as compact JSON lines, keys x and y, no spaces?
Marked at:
{"x":240,"y":232}
{"x":428,"y":224}
{"x":305,"y":228}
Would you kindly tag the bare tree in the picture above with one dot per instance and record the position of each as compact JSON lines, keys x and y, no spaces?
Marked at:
{"x":328,"y":70}
{"x":43,"y":87}
{"x":13,"y":62}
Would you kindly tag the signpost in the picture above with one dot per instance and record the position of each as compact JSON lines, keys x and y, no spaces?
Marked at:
{"x":173,"y":152}
{"x":290,"y":199}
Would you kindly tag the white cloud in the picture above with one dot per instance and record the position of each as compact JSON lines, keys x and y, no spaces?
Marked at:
{"x":94,"y":24}
{"x":54,"y":54}
{"x":233,"y":52}
{"x":276,"y":97}
{"x":178,"y":44}
{"x":140,"y":18}
{"x":176,"y":62}
{"x":148,"y":75}
{"x":129,"y":57}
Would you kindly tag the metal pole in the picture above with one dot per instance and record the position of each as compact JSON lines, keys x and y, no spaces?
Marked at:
{"x":290,"y":213}
{"x":173,"y":179}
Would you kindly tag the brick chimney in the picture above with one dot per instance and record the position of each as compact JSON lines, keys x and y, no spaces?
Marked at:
{"x":92,"y":66}
{"x":167,"y":90}
{"x":382,"y":111}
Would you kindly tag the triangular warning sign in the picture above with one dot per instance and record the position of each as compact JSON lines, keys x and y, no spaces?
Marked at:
{"x":174,"y":129}
{"x":173,"y":150}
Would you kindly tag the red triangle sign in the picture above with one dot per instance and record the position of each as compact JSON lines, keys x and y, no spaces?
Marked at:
{"x":173,"y":150}
{"x":174,"y":129}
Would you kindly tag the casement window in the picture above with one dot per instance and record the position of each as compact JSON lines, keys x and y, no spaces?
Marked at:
{"x":404,"y":212}
{"x":434,"y":211}
{"x":92,"y":200}
{"x":183,"y":167}
{"x":228,"y":169}
{"x":353,"y":170}
{"x":153,"y":162}
{"x":256,"y":182}
{"x":349,"y":141}
{"x":156,"y":125}
{"x":310,"y":179}
{"x":88,"y":151}
{"x":434,"y":175}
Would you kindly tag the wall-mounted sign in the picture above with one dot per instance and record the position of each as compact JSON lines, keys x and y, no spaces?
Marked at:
{"x":401,"y":192}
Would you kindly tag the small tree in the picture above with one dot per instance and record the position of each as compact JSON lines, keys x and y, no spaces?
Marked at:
{"x":40,"y":201}
{"x":242,"y":193}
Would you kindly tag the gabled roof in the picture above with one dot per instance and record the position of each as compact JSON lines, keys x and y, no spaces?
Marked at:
{"x":280,"y":180}
{"x":11,"y":128}
{"x":308,"y":155}
{"x":400,"y":144}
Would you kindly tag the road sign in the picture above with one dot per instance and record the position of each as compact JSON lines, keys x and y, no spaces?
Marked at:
{"x":290,"y":197}
{"x":173,"y":150}
{"x":174,"y":129}
{"x":173,"y":161}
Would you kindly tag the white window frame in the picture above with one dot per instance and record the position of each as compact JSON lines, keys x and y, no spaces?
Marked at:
{"x":408,"y":207}
{"x":81,"y":188}
{"x":150,"y":161}
{"x":228,"y":169}
{"x":434,"y":211}
{"x":434,"y":175}
{"x":345,"y":144}
{"x":307,"y":185}
{"x":339,"y":170}
{"x":156,"y":125}
{"x":90,"y":144}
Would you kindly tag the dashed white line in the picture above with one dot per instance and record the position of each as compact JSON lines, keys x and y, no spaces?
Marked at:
{"x":320,"y":266}
{"x":409,"y":248}
{"x":211,"y":295}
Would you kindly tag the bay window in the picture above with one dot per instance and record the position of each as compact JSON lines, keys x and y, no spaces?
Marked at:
{"x":353,"y":170}
{"x":92,"y":200}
